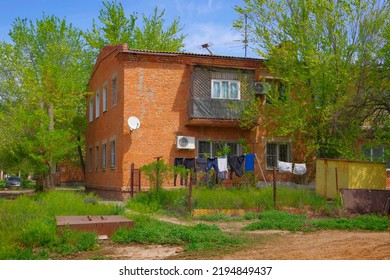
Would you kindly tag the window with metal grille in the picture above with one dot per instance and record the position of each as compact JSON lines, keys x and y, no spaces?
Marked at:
{"x":104,"y":155}
{"x":215,"y":148}
{"x":277,"y":151}
{"x":113,"y":153}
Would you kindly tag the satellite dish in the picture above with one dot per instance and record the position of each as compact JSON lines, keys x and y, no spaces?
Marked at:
{"x":133,"y":123}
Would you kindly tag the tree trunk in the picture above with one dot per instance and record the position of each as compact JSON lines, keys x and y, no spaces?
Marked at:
{"x":81,"y":157}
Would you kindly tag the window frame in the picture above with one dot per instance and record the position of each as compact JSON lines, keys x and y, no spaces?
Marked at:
{"x":114,"y":91}
{"x":113,"y":153}
{"x":91,"y":106}
{"x":271,"y":160}
{"x":104,"y":155}
{"x":220,"y":82}
{"x":97,"y":104}
{"x":373,"y":155}
{"x":104,"y":97}
{"x":212,"y":147}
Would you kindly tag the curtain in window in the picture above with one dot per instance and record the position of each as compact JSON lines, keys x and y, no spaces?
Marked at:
{"x":225,"y":89}
{"x":233,"y":90}
{"x":216,"y":90}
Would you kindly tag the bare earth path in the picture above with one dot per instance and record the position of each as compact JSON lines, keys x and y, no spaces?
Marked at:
{"x":282,"y":245}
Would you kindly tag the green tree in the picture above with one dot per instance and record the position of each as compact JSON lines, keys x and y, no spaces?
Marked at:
{"x":320,"y":53}
{"x":116,"y":28}
{"x":44,"y":72}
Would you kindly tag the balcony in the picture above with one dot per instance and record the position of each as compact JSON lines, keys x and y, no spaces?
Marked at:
{"x":213,"y":112}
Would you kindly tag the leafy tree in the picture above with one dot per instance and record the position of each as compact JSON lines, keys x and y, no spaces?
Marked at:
{"x":324,"y":56}
{"x":43,"y":73}
{"x":116,"y":28}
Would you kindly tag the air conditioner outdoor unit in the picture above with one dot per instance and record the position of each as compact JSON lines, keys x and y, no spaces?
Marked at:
{"x":185,"y":142}
{"x":261,"y":88}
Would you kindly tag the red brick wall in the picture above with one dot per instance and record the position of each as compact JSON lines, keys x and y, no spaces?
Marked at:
{"x":154,"y":88}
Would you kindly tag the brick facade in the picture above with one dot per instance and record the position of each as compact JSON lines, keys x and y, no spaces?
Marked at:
{"x":156,"y":88}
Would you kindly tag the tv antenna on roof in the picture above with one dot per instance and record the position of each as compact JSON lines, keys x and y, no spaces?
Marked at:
{"x":206,"y":46}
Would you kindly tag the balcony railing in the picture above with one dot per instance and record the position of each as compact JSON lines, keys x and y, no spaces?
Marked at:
{"x":208,"y":108}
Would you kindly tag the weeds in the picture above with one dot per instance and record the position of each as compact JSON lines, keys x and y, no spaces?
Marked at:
{"x":299,"y":222}
{"x":28,"y":227}
{"x":199,"y":237}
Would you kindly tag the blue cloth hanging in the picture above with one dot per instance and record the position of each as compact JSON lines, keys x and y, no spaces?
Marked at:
{"x":249,"y":162}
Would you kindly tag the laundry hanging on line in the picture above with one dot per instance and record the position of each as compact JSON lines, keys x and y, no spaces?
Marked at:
{"x":249,"y":162}
{"x":299,"y":168}
{"x":285,"y":167}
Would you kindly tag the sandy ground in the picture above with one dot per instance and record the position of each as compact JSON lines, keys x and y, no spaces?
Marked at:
{"x":280,"y":245}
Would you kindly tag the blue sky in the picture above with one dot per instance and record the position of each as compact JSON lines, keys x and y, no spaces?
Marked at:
{"x":205,"y":21}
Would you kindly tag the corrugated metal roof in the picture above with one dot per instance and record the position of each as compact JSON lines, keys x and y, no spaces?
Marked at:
{"x":189,"y":53}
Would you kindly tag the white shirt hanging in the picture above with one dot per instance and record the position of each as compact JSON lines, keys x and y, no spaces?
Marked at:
{"x":285,"y":167}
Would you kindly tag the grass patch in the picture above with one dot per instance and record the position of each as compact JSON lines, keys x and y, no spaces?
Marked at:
{"x":299,"y":222}
{"x":200,"y":237}
{"x":28,"y":227}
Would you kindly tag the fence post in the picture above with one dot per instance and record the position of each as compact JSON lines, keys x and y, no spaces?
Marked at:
{"x":274,"y":175}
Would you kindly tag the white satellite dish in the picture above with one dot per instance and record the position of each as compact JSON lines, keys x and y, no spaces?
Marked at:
{"x":133,"y":123}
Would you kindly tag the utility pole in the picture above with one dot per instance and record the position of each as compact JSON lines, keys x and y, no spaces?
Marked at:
{"x":246,"y":34}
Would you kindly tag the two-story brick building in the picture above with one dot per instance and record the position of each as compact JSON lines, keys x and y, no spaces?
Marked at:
{"x":173,"y":95}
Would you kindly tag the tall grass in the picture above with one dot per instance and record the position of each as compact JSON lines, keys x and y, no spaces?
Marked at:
{"x":29,"y":222}
{"x":231,"y":198}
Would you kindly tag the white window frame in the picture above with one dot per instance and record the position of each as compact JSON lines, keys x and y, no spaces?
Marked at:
{"x":104,"y":154}
{"x":220,"y":82}
{"x":97,"y":103}
{"x":114,"y":90}
{"x":97,"y":157}
{"x":212,"y":147}
{"x":91,"y":108}
{"x":113,"y":152}
{"x":104,"y":97}
{"x":271,"y":160}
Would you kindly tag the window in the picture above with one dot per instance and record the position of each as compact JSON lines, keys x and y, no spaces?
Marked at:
{"x":277,"y":151}
{"x":225,"y":89}
{"x":113,"y":153}
{"x":217,"y":148}
{"x":114,"y":91}
{"x":97,"y":103}
{"x":377,"y":154}
{"x":90,"y":159}
{"x":105,"y":98}
{"x":104,"y":155}
{"x":91,"y":109}
{"x":97,"y":158}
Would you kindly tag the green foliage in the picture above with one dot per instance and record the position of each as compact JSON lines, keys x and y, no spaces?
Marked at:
{"x":116,"y":28}
{"x":199,"y":237}
{"x":157,"y":171}
{"x":330,"y":55}
{"x":72,"y":241}
{"x":364,"y":222}
{"x":43,"y":77}
{"x":298,"y":222}
{"x":279,"y":220}
{"x":28,"y":227}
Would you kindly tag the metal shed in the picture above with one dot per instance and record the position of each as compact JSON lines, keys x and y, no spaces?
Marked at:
{"x":334,"y":174}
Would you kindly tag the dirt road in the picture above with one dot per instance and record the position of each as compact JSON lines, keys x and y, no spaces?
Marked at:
{"x":280,"y":245}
